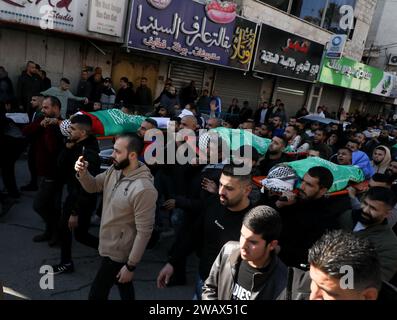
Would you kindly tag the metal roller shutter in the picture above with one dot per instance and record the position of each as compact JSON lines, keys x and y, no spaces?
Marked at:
{"x":182,"y":73}
{"x":231,"y":84}
{"x":292,"y":93}
{"x":332,"y":98}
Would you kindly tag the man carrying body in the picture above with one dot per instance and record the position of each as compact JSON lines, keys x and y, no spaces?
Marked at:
{"x":221,"y":222}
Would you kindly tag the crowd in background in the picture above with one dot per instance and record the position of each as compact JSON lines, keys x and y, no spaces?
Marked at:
{"x":206,"y":205}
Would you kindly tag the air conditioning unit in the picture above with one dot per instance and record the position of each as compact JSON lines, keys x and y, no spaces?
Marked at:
{"x":393,"y":60}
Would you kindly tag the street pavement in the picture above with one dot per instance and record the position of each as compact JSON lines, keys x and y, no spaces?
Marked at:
{"x":21,"y":260}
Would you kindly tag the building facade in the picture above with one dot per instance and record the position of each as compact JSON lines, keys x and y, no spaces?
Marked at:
{"x":381,"y":49}
{"x":91,"y":40}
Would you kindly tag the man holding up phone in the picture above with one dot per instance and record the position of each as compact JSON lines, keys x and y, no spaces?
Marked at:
{"x":129,"y":203}
{"x":79,"y":204}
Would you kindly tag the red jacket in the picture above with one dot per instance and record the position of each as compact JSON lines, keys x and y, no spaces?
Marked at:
{"x":47,"y":143}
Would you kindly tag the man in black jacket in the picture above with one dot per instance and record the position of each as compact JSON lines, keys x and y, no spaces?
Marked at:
{"x":125,"y":96}
{"x":6,"y":88}
{"x":143,"y":97}
{"x":262,"y":114}
{"x":220,"y":222}
{"x":308,"y":215}
{"x":79,"y":204}
{"x":250,"y":270}
{"x":370,"y":222}
{"x":29,"y":85}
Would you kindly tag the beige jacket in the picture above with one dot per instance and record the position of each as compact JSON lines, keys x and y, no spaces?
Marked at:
{"x":128,"y":212}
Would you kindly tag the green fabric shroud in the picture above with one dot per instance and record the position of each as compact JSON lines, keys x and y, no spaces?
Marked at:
{"x":343,"y":175}
{"x":235,"y":138}
{"x":117,"y":122}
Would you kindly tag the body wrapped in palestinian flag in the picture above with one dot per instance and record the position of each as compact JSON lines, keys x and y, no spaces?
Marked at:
{"x":288,"y":176}
{"x":112,"y":122}
{"x":235,"y":138}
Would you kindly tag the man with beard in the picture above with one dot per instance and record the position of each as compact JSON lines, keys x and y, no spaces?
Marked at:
{"x":381,"y":159}
{"x":274,"y":155}
{"x":391,"y":171}
{"x":320,"y":138}
{"x":278,"y":129}
{"x":220,"y":222}
{"x":36,"y":107}
{"x":48,"y":144}
{"x":291,"y":135}
{"x":308,"y":214}
{"x":29,"y":85}
{"x":146,"y":125}
{"x":129,"y":203}
{"x":377,"y":180}
{"x":370,"y":222}
{"x":79,"y":204}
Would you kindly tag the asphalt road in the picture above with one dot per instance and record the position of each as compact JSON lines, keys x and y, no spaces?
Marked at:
{"x":21,"y":260}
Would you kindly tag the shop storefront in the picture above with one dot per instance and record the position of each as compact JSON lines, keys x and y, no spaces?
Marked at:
{"x":61,"y":37}
{"x":371,"y":87}
{"x":293,"y":59}
{"x":332,"y":97}
{"x":193,"y":40}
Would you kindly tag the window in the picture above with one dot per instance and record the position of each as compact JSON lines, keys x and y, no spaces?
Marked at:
{"x":309,"y":10}
{"x":323,"y":13}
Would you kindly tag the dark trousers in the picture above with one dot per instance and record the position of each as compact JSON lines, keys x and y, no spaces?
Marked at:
{"x":12,"y":150}
{"x":8,"y":174}
{"x":47,"y":203}
{"x":106,"y":278}
{"x":32,"y":165}
{"x":81,"y":233}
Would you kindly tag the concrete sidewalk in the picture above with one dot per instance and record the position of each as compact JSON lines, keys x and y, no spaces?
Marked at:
{"x":21,"y":260}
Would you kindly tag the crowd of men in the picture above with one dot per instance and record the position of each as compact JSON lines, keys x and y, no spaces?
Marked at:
{"x":250,"y":244}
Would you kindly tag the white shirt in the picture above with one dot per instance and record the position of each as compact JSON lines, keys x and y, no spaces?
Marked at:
{"x":263,"y":116}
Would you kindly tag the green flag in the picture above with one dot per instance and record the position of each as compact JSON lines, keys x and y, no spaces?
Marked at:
{"x":342,"y":174}
{"x":115,"y":121}
{"x":235,"y":138}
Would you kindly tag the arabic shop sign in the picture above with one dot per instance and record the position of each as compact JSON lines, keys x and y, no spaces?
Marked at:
{"x":69,"y":16}
{"x":352,"y":74}
{"x":210,"y":33}
{"x":285,"y":54}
